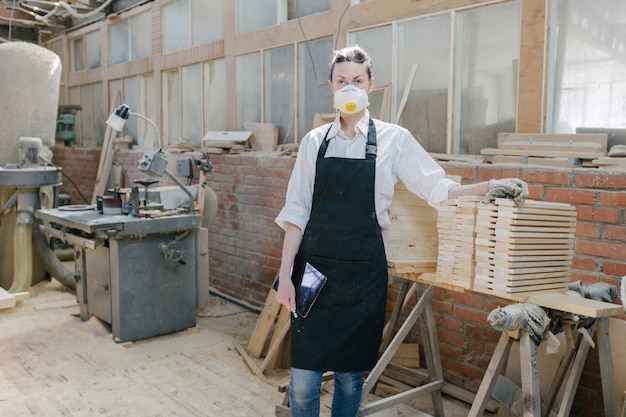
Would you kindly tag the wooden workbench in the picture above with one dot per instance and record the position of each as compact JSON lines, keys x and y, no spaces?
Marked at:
{"x":573,"y":362}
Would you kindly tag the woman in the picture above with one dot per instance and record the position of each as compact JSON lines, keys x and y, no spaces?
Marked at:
{"x":335,"y":214}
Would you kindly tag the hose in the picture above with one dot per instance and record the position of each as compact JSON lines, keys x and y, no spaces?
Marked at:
{"x":22,"y":254}
{"x":8,"y":206}
{"x":50,"y":260}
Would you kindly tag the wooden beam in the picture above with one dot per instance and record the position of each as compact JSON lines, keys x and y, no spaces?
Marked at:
{"x":530,"y":96}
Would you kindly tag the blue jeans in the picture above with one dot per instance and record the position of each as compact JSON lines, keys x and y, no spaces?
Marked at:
{"x":305,"y":390}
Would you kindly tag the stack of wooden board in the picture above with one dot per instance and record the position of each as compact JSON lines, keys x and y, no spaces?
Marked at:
{"x":485,"y":243}
{"x":411,"y":240}
{"x":464,"y":255}
{"x":532,"y":247}
{"x":446,"y":230}
{"x":456,"y":255}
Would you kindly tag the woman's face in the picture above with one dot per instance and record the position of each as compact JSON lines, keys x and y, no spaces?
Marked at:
{"x":350,"y":73}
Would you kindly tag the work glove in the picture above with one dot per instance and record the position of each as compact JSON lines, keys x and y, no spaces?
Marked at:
{"x":511,"y":188}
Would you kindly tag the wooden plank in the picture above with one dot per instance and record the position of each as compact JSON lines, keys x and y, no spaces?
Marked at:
{"x":241,"y":137}
{"x":536,"y":204}
{"x":264,"y":135}
{"x":249,"y":362}
{"x":542,"y":153}
{"x":560,"y":141}
{"x":7,"y":300}
{"x":529,"y":69}
{"x":264,"y":325}
{"x":282,"y":328}
{"x":550,"y":145}
{"x":577,"y":305}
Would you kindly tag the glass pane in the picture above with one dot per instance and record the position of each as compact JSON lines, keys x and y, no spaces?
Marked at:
{"x":255,"y":14}
{"x":99,"y":121}
{"x":115,"y":94}
{"x":424,"y":64}
{"x":377,"y":43}
{"x":74,"y":93}
{"x":206,"y":21}
{"x":486,"y":79}
{"x":248,"y":92}
{"x":191,"y":102}
{"x":314,"y":93}
{"x":590,"y":70}
{"x":171,"y":107}
{"x":118,"y":42}
{"x":300,"y":8}
{"x":94,"y":49}
{"x":279,"y":95}
{"x":214,"y":96}
{"x":78,"y":56}
{"x":134,"y":126}
{"x":175,"y":24}
{"x":141,"y":36}
{"x":86,"y":99}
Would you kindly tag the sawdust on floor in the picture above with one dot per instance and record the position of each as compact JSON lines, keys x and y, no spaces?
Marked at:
{"x":53,"y":364}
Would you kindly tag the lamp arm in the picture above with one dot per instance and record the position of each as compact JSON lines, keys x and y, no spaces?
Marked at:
{"x":181,"y":185}
{"x":141,"y":116}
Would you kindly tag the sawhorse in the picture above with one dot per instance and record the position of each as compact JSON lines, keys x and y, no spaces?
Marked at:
{"x":573,"y":361}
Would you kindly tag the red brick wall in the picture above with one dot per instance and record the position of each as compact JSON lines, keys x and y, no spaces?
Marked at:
{"x":245,"y":245}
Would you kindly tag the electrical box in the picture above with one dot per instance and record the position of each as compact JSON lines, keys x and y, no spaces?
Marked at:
{"x":184,"y":168}
{"x":153,"y":162}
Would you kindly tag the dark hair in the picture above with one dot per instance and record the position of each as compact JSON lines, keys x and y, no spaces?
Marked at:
{"x":351,"y":54}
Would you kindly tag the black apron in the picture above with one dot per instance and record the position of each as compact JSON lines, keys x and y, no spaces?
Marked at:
{"x":343,"y":240}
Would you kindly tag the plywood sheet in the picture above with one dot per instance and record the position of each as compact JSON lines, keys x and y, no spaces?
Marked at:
{"x":264,"y":135}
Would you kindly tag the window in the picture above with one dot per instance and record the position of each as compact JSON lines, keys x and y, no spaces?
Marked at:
{"x":268,"y":95}
{"x":89,"y":123}
{"x":56,"y":46}
{"x":484,"y":69}
{"x":485,"y":99}
{"x":301,"y":8}
{"x":279,"y":105}
{"x":424,"y":65}
{"x":130,"y":39}
{"x":314,"y":93}
{"x":189,"y":23}
{"x":376,"y":42}
{"x":254,"y":14}
{"x":86,"y":51}
{"x":248,"y":89}
{"x":139,"y":94}
{"x":193,"y":101}
{"x":588,"y":66}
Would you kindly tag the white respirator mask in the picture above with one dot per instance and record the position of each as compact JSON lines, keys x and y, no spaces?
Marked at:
{"x":351,"y":99}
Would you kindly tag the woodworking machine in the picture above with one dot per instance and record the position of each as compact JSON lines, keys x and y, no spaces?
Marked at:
{"x":139,"y":271}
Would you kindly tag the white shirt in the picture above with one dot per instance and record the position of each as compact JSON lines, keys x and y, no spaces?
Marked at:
{"x":399,"y":157}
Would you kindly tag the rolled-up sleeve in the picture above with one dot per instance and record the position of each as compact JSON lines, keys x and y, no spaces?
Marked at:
{"x":297,"y":208}
{"x":420,"y":173}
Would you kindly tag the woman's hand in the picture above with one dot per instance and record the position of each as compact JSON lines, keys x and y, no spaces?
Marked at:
{"x":286,"y":294}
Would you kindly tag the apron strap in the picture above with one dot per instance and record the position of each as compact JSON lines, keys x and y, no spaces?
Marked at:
{"x":370,"y":148}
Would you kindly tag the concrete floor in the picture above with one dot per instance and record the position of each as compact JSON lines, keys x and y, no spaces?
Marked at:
{"x":53,"y":364}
